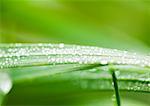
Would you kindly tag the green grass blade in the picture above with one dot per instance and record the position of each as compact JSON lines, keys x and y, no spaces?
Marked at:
{"x":77,"y":67}
{"x":13,"y":55}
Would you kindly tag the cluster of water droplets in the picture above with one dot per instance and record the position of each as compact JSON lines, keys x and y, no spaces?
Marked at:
{"x":12,"y":55}
{"x":134,"y":85}
{"x":132,"y":78}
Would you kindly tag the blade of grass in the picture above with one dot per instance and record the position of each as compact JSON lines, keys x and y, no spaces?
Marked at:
{"x":13,"y":55}
{"x":86,"y":58}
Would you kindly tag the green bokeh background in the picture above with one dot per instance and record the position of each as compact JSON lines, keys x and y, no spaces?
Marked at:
{"x":120,"y":24}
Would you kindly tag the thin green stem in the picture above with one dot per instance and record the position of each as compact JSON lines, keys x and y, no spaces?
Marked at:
{"x":115,"y":84}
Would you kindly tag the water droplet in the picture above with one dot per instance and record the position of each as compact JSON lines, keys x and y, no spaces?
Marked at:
{"x":5,"y":83}
{"x":114,"y":99}
{"x":61,"y":45}
{"x":104,"y":62}
{"x":117,"y":73}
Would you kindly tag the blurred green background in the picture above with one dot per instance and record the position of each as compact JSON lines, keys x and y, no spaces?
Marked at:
{"x":122,"y":24}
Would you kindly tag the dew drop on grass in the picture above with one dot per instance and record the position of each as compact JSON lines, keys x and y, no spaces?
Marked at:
{"x":5,"y":83}
{"x":135,"y":86}
{"x":61,"y":45}
{"x":28,"y":54}
{"x":104,"y":62}
{"x":114,"y":100}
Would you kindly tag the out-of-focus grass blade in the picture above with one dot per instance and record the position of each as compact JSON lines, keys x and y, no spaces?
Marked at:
{"x":42,"y":81}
